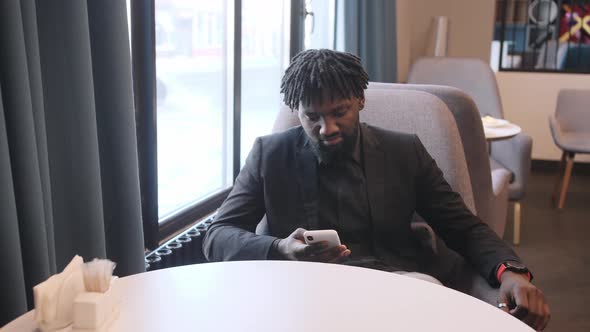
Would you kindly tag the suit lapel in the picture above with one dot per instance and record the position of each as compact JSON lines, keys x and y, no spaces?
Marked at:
{"x":374,"y":164}
{"x":307,"y":179}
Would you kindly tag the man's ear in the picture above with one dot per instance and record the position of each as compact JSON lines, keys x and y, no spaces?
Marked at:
{"x":361,"y":103}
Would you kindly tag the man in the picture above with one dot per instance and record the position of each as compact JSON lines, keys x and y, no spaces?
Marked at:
{"x":365,"y":182}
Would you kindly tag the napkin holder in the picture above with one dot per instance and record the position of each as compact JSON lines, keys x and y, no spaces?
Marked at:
{"x":95,"y":312}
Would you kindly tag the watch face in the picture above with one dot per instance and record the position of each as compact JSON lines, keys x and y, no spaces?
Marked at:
{"x":515,"y":266}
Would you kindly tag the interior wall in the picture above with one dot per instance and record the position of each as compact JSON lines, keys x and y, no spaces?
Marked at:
{"x":470,"y":29}
{"x":529,"y":99}
{"x":403,"y":26}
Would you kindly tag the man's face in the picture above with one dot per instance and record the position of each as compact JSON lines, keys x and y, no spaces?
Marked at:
{"x":332,"y":126}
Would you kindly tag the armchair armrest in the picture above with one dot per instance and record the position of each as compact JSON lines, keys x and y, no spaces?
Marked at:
{"x":496,"y":217}
{"x":500,"y":180}
{"x":515,"y":155}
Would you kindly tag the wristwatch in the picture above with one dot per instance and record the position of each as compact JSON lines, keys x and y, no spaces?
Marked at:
{"x":513,"y":267}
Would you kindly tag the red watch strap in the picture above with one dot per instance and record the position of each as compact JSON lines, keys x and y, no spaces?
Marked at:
{"x":502,"y":269}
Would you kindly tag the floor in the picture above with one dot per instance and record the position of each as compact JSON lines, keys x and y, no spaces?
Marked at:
{"x":556,"y":246}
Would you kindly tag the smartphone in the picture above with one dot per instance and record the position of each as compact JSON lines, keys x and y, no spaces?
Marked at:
{"x":328,"y":235}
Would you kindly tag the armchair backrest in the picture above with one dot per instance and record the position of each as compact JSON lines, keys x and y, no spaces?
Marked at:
{"x":414,"y":112}
{"x":470,"y":127}
{"x":473,"y":76}
{"x":286,"y":118}
{"x":428,"y":117}
{"x":573,"y":110}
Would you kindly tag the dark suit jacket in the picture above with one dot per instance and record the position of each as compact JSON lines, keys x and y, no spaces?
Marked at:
{"x":279,"y":179}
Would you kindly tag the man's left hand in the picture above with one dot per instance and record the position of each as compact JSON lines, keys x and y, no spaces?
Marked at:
{"x":526,"y":301}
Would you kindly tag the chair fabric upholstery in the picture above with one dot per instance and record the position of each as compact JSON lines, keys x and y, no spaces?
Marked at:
{"x":476,"y":78}
{"x":473,"y":76}
{"x":428,"y":117}
{"x":489,"y":188}
{"x":570,"y":126}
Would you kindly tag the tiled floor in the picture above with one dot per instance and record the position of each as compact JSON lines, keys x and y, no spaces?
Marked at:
{"x":556,"y":246}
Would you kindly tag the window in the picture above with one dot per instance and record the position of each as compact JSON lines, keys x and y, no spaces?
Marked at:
{"x":206,"y":83}
{"x":193,"y":62}
{"x":265,"y":56}
{"x":542,"y":35}
{"x":320,"y":24}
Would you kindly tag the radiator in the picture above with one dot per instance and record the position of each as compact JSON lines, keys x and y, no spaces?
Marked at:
{"x":185,"y":248}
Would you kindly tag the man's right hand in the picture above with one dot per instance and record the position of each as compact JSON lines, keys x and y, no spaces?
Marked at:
{"x":294,"y":248}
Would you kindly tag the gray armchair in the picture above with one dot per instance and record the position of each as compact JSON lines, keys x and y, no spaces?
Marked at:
{"x":476,"y":78}
{"x":570,"y":128}
{"x":490,"y":188}
{"x":427,"y":116}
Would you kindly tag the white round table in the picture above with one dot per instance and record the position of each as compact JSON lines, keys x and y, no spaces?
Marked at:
{"x":292,"y":296}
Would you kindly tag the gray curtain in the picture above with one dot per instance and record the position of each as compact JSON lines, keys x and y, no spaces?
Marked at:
{"x":369,"y":32}
{"x":68,"y":150}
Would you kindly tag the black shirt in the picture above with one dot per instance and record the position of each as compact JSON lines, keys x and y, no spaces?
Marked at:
{"x":343,"y":203}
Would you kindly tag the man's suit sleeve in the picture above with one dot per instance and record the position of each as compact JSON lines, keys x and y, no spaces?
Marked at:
{"x":450,"y":218}
{"x":231,"y":235}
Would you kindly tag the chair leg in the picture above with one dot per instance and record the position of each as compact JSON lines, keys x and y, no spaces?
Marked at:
{"x":516,"y":237}
{"x":559,"y":177}
{"x":569,"y":164}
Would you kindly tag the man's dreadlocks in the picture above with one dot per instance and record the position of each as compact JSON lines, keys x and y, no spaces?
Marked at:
{"x":316,"y":74}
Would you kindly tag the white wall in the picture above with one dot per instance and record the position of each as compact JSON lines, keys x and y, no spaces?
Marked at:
{"x":529,"y":98}
{"x":403,"y":25}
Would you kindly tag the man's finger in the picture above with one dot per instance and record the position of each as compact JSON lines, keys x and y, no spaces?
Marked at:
{"x":503,"y":303}
{"x":298,"y":234}
{"x":537,"y":302}
{"x":541,"y":310}
{"x":300,"y":250}
{"x":314,"y":249}
{"x":522,"y":305}
{"x":342,"y":257}
{"x":546,"y":316}
{"x":330,"y":254}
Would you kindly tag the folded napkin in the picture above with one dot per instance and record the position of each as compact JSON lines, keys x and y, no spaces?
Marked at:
{"x":489,"y":121}
{"x":98,"y":275}
{"x":79,"y":290}
{"x":54,"y":298}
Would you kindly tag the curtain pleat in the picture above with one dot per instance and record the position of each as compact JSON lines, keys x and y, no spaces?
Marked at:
{"x":33,"y":62}
{"x":12,"y":282}
{"x":116,"y":133}
{"x":72,"y":136}
{"x":22,"y":143}
{"x":370,"y":33}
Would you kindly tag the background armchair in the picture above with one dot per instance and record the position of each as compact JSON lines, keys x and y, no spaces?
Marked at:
{"x":570,"y":127}
{"x":476,"y":78}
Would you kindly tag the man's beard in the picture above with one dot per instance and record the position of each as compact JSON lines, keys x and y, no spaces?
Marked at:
{"x":330,"y":154}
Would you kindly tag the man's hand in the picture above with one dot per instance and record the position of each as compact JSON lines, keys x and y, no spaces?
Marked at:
{"x":527,"y":301}
{"x":294,"y":247}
